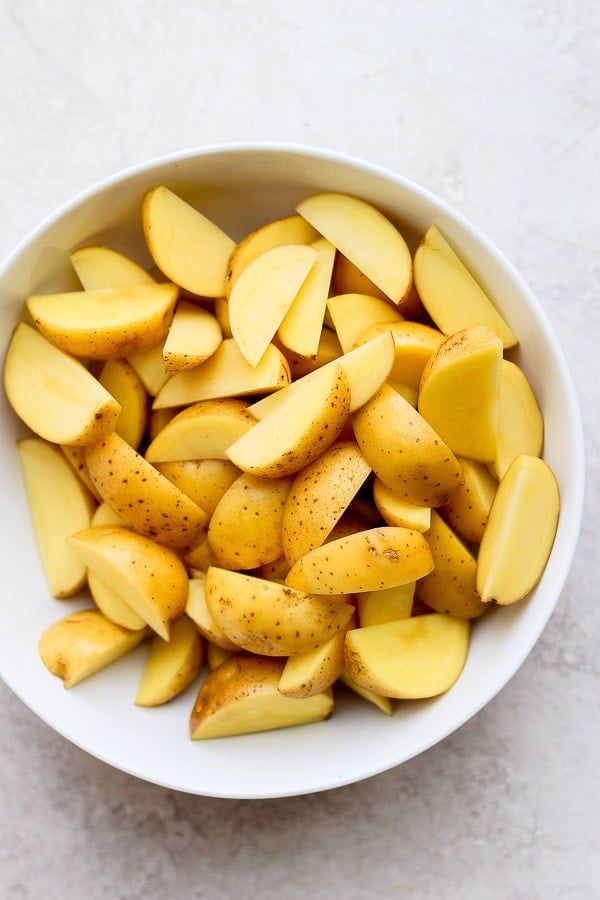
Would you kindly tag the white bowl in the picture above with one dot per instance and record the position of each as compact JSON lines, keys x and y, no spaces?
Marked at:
{"x":242,"y":186}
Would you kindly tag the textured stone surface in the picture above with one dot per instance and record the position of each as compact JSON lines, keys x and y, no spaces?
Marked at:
{"x":496,"y":108}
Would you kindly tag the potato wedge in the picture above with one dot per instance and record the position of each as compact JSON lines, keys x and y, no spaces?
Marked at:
{"x":408,"y":659}
{"x":520,"y":422}
{"x":396,"y":511}
{"x":520,"y":531}
{"x":53,"y":393}
{"x":108,"y":323}
{"x":197,"y":609}
{"x":59,"y":504}
{"x":146,"y":501}
{"x":101,"y":267}
{"x":193,"y":337}
{"x":171,"y":666}
{"x":328,"y":349}
{"x":378,"y":700}
{"x":203,"y":480}
{"x":271,"y":619}
{"x":82,"y":643}
{"x":241,"y":696}
{"x":353,"y":314}
{"x":364,"y":561}
{"x":75,"y":456}
{"x":469,"y":506}
{"x":203,"y":430}
{"x":149,"y":577}
{"x":112,"y":605}
{"x":387,"y":605}
{"x":122,"y":381}
{"x":301,"y":327}
{"x":313,"y":672}
{"x":150,"y":367}
{"x":414,"y":344}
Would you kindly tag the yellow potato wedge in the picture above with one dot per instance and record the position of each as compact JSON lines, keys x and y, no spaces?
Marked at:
{"x":203,"y":480}
{"x":301,"y":327}
{"x":122,"y":381}
{"x":83,"y":643}
{"x":271,"y":619}
{"x":328,"y":349}
{"x":387,"y":605}
{"x":520,"y":422}
{"x":59,"y":504}
{"x":241,"y":696}
{"x":408,"y":659}
{"x":203,"y":430}
{"x":470,"y":505}
{"x":150,"y":367}
{"x":414,"y":344}
{"x":190,"y":249}
{"x":216,"y":655}
{"x":53,"y":393}
{"x":197,"y":610}
{"x":149,"y":577}
{"x":364,"y":561}
{"x":396,"y":511}
{"x":171,"y":666}
{"x":381,"y":702}
{"x":315,"y":671}
{"x":75,"y":456}
{"x":146,"y":501}
{"x":520,"y":531}
{"x":101,"y":267}
{"x":112,"y":605}
{"x":193,"y":337}
{"x":353,"y":314}
{"x":449,"y":291}
{"x":107,"y":323}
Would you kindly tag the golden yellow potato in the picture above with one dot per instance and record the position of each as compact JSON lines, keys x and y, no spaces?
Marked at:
{"x":364,"y":561}
{"x":53,"y":393}
{"x":269,"y":618}
{"x":387,"y":605}
{"x":327,"y":350}
{"x":150,"y":367}
{"x":315,"y":671}
{"x":346,"y":278}
{"x":378,"y":700}
{"x":105,"y":515}
{"x":245,"y":530}
{"x":216,"y":655}
{"x":197,"y":609}
{"x":459,"y":394}
{"x":203,"y":480}
{"x":149,"y":577}
{"x":75,"y":456}
{"x":146,"y":501}
{"x":520,"y":422}
{"x":111,"y":604}
{"x":409,"y":659}
{"x":203,"y":430}
{"x":241,"y":696}
{"x":82,"y":643}
{"x":404,"y":451}
{"x":414,"y":344}
{"x":122,"y":381}
{"x":171,"y":666}
{"x":520,"y":531}
{"x":301,"y":327}
{"x":396,"y":511}
{"x":59,"y":504}
{"x":101,"y":267}
{"x":319,"y":495}
{"x":353,"y":314}
{"x":108,"y":323}
{"x":193,"y":337}
{"x":469,"y":506}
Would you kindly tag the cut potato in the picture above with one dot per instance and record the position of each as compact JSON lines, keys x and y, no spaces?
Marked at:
{"x":375,"y":607}
{"x":83,"y":643}
{"x":186,"y":246}
{"x":203,"y":430}
{"x":203,"y":480}
{"x":272,"y":619}
{"x":53,"y":394}
{"x":319,"y":495}
{"x":122,"y":381}
{"x":414,"y":344}
{"x":171,"y":665}
{"x":75,"y":456}
{"x":146,"y":501}
{"x":241,"y":696}
{"x":520,"y":531}
{"x":149,"y":577}
{"x":301,"y":327}
{"x":150,"y":367}
{"x":381,"y":702}
{"x":365,"y":561}
{"x":101,"y":267}
{"x":197,"y":610}
{"x":328,"y":349}
{"x":404,"y":451}
{"x":365,"y":236}
{"x":193,"y":337}
{"x":59,"y":504}
{"x":226,"y":374}
{"x":459,"y":394}
{"x":217,"y":655}
{"x":470,"y":505}
{"x":353,"y":314}
{"x":315,"y":671}
{"x":396,"y":511}
{"x":107,"y":323}
{"x":409,"y":659}
{"x":450,"y":293}
{"x":262,"y":295}
{"x":112,"y":604}
{"x":520,"y":422}
{"x":298,"y":430}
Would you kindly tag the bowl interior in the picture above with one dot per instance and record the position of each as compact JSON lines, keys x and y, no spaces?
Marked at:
{"x":241,"y":187}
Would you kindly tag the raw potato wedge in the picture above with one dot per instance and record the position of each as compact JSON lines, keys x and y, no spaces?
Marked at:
{"x":146,"y":501}
{"x":263,"y":294}
{"x":83,"y":643}
{"x":269,"y":618}
{"x":520,"y":531}
{"x":353,"y":314}
{"x":298,"y":430}
{"x":149,"y":577}
{"x":150,"y":367}
{"x":245,"y":530}
{"x":290,"y":230}
{"x":470,"y":505}
{"x":414,"y":344}
{"x":375,"y":607}
{"x":112,"y":605}
{"x":101,"y":267}
{"x":186,"y":246}
{"x":378,"y":700}
{"x":241,"y":696}
{"x":203,"y":480}
{"x":107,"y":323}
{"x":226,"y":374}
{"x":347,"y":279}
{"x":520,"y":424}
{"x":396,"y":511}
{"x":53,"y":393}
{"x":319,"y":495}
{"x":197,"y":610}
{"x":59,"y":504}
{"x":122,"y":381}
{"x":328,"y":349}
{"x":301,"y":327}
{"x":193,"y":337}
{"x":450,"y":293}
{"x":404,"y":451}
{"x":315,"y":671}
{"x":203,"y":430}
{"x":451,"y":587}
{"x":408,"y":659}
{"x":364,"y":561}
{"x":459,"y":394}
{"x":75,"y":456}
{"x":171,"y":666}
{"x":365,"y":236}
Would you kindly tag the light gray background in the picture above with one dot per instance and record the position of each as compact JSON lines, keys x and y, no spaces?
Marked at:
{"x":494,"y":106}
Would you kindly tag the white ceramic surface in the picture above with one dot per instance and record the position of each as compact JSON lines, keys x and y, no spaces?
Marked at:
{"x":241,"y":186}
